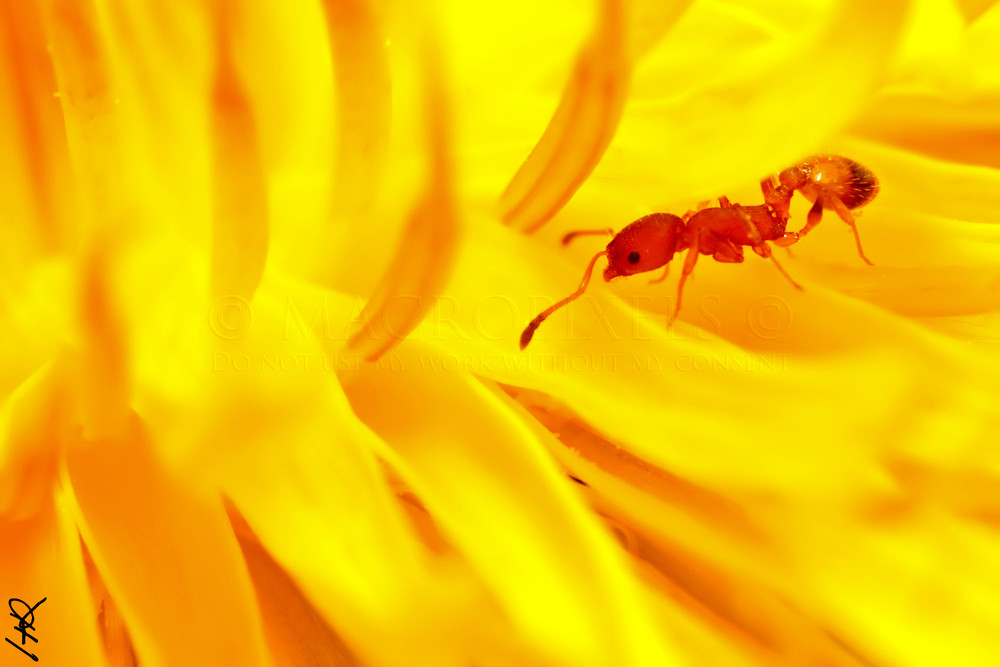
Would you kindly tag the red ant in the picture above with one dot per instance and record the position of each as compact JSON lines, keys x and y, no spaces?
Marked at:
{"x":829,"y":181}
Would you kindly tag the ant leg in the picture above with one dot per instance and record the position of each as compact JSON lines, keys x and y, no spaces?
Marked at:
{"x":786,"y":240}
{"x":764,"y":250}
{"x":663,"y":276}
{"x":689,"y":263}
{"x":813,"y":217}
{"x":702,"y":205}
{"x":727,"y":252}
{"x":846,"y":215}
{"x":725,"y":203}
{"x":586,"y":232}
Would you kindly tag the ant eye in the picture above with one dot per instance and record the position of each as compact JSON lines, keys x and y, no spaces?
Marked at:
{"x":633,"y":257}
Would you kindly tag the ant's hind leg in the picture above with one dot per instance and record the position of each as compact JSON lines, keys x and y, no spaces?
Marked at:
{"x":813,"y":217}
{"x":786,"y":240}
{"x":848,"y":217}
{"x":764,"y":250}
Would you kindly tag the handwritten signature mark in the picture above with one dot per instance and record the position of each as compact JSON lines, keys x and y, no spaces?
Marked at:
{"x":26,"y":621}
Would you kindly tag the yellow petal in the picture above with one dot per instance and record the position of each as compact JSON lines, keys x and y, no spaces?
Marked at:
{"x":296,"y":633}
{"x":41,"y":559}
{"x":318,"y":504}
{"x":487,"y":482}
{"x":162,"y":545}
{"x":580,"y":129}
{"x":364,"y":106}
{"x":735,"y":93}
{"x":34,"y":169}
{"x":425,"y":253}
{"x":240,"y":224}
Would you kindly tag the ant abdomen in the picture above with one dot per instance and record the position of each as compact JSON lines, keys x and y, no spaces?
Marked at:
{"x":853,"y":184}
{"x":834,"y":183}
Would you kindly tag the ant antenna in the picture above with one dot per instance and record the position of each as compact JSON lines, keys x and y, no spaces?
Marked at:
{"x":529,"y":330}
{"x":586,"y":232}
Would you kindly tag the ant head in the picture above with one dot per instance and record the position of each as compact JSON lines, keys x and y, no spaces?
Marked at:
{"x":643,"y":245}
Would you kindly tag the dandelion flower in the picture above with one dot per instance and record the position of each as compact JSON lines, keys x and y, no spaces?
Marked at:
{"x":264,"y":270}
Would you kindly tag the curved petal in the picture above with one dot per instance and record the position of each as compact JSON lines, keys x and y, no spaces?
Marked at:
{"x":41,"y":559}
{"x":295,"y":631}
{"x":699,"y":544}
{"x":364,"y":104}
{"x":580,"y":129}
{"x":735,"y":92}
{"x":426,"y":250}
{"x":267,"y":422}
{"x":30,"y":421}
{"x":35,"y":162}
{"x":36,"y":317}
{"x":167,"y":553}
{"x":587,"y":117}
{"x":103,"y":376}
{"x":649,"y":21}
{"x":565,"y":589}
{"x":933,"y":125}
{"x":114,"y":633}
{"x":86,"y":94}
{"x":240,"y":222}
{"x":973,"y":9}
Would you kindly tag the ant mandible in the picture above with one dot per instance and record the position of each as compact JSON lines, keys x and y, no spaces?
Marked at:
{"x":829,"y":181}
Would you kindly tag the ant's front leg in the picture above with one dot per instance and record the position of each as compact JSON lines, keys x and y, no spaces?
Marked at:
{"x":663,"y":276}
{"x":586,"y":232}
{"x":689,"y":262}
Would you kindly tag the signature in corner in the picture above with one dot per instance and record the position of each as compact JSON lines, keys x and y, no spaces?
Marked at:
{"x":25,"y":622}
